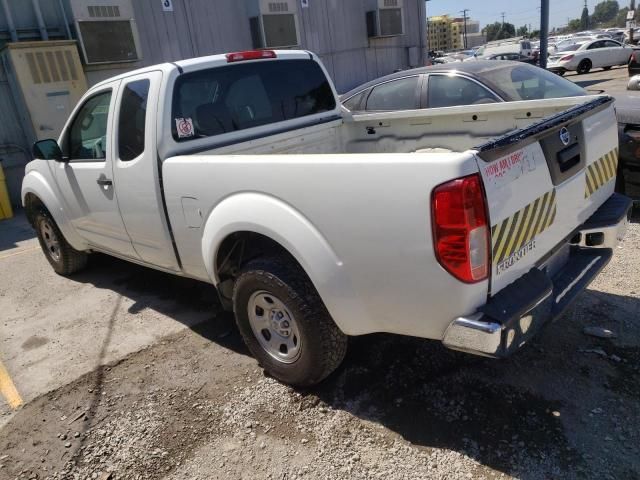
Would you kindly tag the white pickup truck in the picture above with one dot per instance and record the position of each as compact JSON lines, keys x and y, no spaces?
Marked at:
{"x":471,"y":225}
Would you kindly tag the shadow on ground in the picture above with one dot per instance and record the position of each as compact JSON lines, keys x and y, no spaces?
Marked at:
{"x":185,"y":300}
{"x":523,"y":416}
{"x":15,"y":230}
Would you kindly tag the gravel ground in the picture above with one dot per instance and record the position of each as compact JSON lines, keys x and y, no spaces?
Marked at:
{"x":196,"y":406}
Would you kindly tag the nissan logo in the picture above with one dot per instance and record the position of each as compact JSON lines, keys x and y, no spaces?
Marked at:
{"x":565,"y":136}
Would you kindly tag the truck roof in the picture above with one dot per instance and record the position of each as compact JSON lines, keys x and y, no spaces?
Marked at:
{"x":210,"y":61}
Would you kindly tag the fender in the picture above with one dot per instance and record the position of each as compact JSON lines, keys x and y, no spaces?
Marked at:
{"x":34,"y":182}
{"x":273,"y":218}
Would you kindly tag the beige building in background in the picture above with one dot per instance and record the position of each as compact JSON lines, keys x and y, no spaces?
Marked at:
{"x":447,"y":33}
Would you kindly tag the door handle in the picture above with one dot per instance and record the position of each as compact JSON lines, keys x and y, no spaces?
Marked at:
{"x":104,"y":182}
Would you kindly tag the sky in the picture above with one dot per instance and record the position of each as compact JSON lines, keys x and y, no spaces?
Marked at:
{"x":518,"y":13}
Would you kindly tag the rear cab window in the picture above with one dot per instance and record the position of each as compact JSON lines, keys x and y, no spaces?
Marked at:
{"x":241,"y":96}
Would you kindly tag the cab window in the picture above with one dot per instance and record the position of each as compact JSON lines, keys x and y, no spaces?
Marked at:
{"x":87,"y":139}
{"x":245,"y":95}
{"x":132,"y":119}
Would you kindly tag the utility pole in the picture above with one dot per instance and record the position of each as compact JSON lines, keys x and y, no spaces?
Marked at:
{"x":544,"y":32}
{"x":464,"y":13}
{"x":502,"y":18}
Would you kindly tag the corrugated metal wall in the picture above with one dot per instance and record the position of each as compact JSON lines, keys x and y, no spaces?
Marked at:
{"x":14,"y":149}
{"x":334,"y":29}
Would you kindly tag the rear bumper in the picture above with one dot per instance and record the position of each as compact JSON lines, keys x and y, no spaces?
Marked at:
{"x":516,"y":313}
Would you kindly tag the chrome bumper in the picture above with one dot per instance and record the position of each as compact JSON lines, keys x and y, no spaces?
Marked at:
{"x":515,"y":314}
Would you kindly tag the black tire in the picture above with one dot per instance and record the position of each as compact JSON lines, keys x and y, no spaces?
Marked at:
{"x":606,"y":68}
{"x":64,"y":259}
{"x":560,"y":72}
{"x":584,"y":66}
{"x":322,"y":345}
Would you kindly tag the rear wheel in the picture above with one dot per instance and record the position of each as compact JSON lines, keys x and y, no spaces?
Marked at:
{"x":64,"y":259}
{"x":584,"y":66}
{"x":284,"y":323}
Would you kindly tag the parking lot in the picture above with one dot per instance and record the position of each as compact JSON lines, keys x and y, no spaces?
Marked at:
{"x":121,"y":372}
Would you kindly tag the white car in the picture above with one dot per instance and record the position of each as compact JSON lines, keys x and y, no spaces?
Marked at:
{"x":561,"y":45}
{"x":582,"y":57}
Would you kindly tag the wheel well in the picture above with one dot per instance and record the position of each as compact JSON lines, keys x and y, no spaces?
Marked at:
{"x":236,"y":250}
{"x":31,"y":205}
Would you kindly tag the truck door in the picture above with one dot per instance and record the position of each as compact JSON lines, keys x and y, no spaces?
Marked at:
{"x":85,"y":178}
{"x":135,"y":170}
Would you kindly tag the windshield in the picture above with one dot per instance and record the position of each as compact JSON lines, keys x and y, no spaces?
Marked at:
{"x":526,"y":82}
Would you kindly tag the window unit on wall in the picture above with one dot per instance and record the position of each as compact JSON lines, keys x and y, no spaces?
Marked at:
{"x":273,"y":23}
{"x":106,"y":31}
{"x":385,"y":19}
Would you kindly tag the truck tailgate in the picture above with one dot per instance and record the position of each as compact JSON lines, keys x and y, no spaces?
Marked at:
{"x":544,"y":181}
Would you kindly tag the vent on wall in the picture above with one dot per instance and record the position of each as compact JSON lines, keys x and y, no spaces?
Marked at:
{"x":390,"y":3}
{"x":278,"y":7}
{"x":105,"y":11}
{"x":51,"y":66}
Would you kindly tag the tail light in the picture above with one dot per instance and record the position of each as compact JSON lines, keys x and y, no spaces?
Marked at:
{"x":460,"y":229}
{"x":567,"y":58}
{"x":250,"y":55}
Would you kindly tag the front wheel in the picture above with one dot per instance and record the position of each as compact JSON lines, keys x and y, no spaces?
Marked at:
{"x":284,"y":323}
{"x":584,"y":66}
{"x":64,"y":259}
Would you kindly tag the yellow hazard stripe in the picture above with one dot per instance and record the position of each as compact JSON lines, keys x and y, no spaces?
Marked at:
{"x":513,"y":233}
{"x":600,"y":172}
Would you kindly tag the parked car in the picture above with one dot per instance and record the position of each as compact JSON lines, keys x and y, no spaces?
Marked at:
{"x":521,"y":46}
{"x":514,"y":57}
{"x":564,"y":45}
{"x":628,"y":115}
{"x":592,"y":54}
{"x":468,"y":83}
{"x":243,"y":170}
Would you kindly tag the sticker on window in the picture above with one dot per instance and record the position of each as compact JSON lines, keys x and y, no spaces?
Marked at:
{"x":184,"y":127}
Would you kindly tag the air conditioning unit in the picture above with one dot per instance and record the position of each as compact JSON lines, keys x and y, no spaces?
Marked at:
{"x":106,"y":31}
{"x":385,"y":19}
{"x":273,"y":23}
{"x":46,"y":81}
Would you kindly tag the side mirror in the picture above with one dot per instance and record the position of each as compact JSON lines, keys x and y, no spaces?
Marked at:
{"x":47,"y":150}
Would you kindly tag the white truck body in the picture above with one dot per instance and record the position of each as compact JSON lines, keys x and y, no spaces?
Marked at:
{"x":349,"y":198}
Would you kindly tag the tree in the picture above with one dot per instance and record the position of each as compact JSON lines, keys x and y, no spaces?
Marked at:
{"x":574,"y":25}
{"x":605,"y":12}
{"x":584,"y":20}
{"x":522,"y":31}
{"x":499,"y":31}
